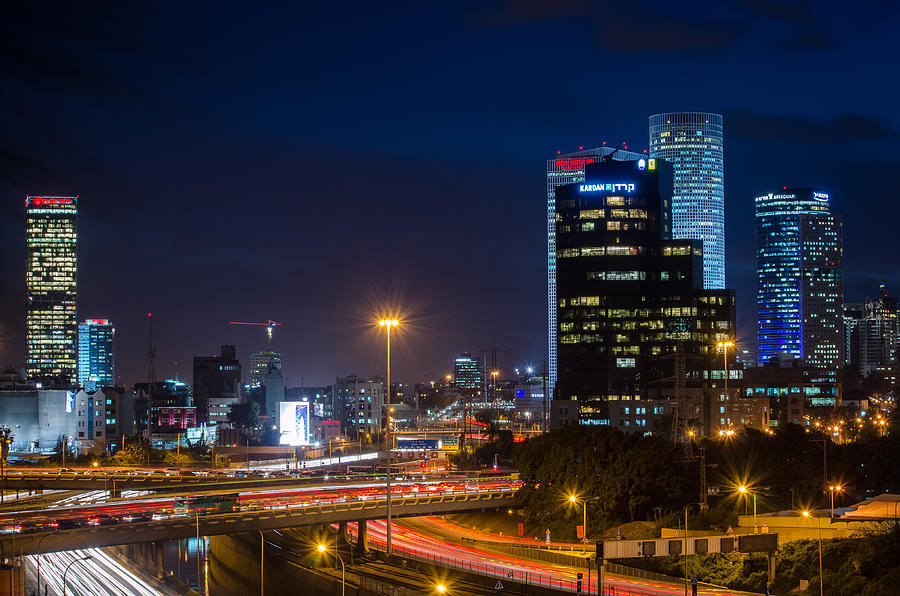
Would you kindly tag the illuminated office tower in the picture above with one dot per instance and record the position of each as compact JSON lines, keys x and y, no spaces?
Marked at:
{"x":467,"y":372}
{"x":51,"y":269}
{"x":798,"y":268}
{"x":692,"y":143}
{"x":96,"y":358}
{"x":565,"y":169}
{"x":260,"y":362}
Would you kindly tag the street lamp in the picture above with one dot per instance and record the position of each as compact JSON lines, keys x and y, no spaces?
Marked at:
{"x":573,"y":499}
{"x":322,"y":549}
{"x":819,"y":535}
{"x":834,"y":488}
{"x":388,"y":324}
{"x":440,"y":588}
{"x":84,"y":558}
{"x":724,"y":345}
{"x":744,"y":490}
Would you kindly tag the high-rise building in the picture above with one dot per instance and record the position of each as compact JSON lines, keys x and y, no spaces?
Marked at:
{"x":259,"y":365}
{"x":628,"y":295}
{"x":216,"y":378}
{"x":692,"y":143}
{"x":467,"y":372}
{"x":51,"y":267}
{"x":565,"y":169}
{"x":96,"y":355}
{"x":361,"y":404}
{"x":800,"y":289}
{"x":871,"y":333}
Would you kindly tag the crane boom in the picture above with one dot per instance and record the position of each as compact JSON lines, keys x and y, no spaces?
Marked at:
{"x":268,"y":325}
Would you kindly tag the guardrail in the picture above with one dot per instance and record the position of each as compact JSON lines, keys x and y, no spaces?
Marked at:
{"x":266,"y":519}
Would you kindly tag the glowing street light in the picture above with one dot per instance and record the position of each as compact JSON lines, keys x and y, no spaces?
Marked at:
{"x":322,"y":549}
{"x":388,"y":324}
{"x":440,"y":588}
{"x":724,"y":345}
{"x":573,"y":499}
{"x":819,"y":534}
{"x":834,"y":488}
{"x":744,"y":490}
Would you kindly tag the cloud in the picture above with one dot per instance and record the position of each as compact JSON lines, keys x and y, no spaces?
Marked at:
{"x":838,"y":128}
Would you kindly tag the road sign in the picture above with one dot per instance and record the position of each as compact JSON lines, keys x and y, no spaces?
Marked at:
{"x":547,"y":537}
{"x":499,"y":586}
{"x":510,"y":574}
{"x":579,"y":532}
{"x":521,"y":530}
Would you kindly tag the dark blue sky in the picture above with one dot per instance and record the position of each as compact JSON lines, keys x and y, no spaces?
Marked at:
{"x":313,"y":165}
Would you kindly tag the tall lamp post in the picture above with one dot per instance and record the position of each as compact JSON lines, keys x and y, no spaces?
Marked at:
{"x":819,"y":535}
{"x":573,"y":499}
{"x":744,"y":490}
{"x":724,"y":345}
{"x":388,"y":324}
{"x":834,"y":488}
{"x":322,"y":548}
{"x":84,"y":558}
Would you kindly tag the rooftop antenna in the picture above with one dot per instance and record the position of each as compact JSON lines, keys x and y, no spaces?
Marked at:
{"x":151,"y":351}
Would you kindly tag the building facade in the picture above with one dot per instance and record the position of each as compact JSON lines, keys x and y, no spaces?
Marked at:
{"x":693,"y":143}
{"x":467,"y":372}
{"x":627,"y":295}
{"x":96,"y":354}
{"x":260,"y":363}
{"x":565,"y":168}
{"x":216,"y":377}
{"x":361,"y":403}
{"x":871,"y":332}
{"x":51,"y":274}
{"x":800,"y":288}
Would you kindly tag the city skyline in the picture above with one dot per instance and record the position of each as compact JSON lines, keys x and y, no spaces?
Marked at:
{"x":173,"y":223}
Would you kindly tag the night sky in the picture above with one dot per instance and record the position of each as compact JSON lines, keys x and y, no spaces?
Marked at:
{"x":318,"y":165}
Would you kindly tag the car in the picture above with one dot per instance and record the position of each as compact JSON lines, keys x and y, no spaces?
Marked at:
{"x":64,"y":523}
{"x":172,"y":472}
{"x":160,"y":516}
{"x":66,"y":471}
{"x":11,"y":529}
{"x":135,"y":517}
{"x":102,"y":519}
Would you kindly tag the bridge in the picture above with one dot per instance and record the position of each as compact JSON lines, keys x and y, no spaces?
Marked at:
{"x":178,"y":527}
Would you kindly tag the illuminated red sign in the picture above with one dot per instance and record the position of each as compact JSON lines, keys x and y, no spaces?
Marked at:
{"x":50,"y":200}
{"x":573,"y":164}
{"x":97,"y":321}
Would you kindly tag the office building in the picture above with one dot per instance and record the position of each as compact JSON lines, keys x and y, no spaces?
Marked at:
{"x":39,"y":418}
{"x":627,"y":294}
{"x":51,"y":273}
{"x":150,"y":397}
{"x":216,"y":377}
{"x":260,"y":363}
{"x":96,"y":354}
{"x":692,"y":143}
{"x":361,"y":403}
{"x":871,"y":332}
{"x":467,"y":372}
{"x":799,"y":289}
{"x":565,"y":168}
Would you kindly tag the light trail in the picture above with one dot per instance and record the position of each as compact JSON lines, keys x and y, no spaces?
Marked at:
{"x":101,"y":575}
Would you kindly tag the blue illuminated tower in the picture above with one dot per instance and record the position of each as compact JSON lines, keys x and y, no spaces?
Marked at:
{"x":692,"y":143}
{"x":96,"y":357}
{"x":800,"y":290}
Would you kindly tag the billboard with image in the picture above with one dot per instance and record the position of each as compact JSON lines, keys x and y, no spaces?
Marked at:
{"x":293,"y":422}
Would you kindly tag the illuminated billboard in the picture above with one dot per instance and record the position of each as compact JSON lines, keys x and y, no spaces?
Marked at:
{"x":294,"y":423}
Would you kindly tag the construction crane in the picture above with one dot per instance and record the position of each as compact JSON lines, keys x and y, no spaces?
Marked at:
{"x":269,"y":325}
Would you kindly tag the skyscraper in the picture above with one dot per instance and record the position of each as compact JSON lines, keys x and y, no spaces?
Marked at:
{"x":467,"y":371}
{"x":96,"y":357}
{"x":51,"y":266}
{"x":260,"y":363}
{"x":627,"y":293}
{"x":565,"y":169}
{"x":798,"y":268}
{"x":871,"y":333}
{"x":216,"y":378}
{"x":692,"y":143}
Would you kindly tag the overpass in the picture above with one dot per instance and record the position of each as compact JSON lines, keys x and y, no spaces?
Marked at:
{"x":232,"y":523}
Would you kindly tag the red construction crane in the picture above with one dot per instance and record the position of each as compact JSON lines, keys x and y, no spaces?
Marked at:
{"x":268,"y":325}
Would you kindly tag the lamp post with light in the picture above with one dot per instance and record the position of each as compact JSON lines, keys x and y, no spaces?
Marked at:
{"x":834,"y":488}
{"x":84,"y":558}
{"x":388,"y":324}
{"x":724,"y":345}
{"x":819,"y":535}
{"x":322,"y":549}
{"x":744,"y":490}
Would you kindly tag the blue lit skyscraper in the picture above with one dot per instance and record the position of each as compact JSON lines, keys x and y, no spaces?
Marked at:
{"x":96,"y":357}
{"x":800,"y":290}
{"x":692,"y":143}
{"x":566,"y":169}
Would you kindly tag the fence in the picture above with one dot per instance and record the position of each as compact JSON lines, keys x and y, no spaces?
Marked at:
{"x":525,"y":578}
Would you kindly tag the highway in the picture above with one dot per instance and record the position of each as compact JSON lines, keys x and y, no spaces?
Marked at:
{"x":101,"y":575}
{"x":437,"y":546}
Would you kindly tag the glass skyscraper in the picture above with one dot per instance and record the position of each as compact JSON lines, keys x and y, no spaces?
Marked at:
{"x":467,"y":372}
{"x":96,"y":357}
{"x":798,"y":267}
{"x":565,"y":169}
{"x":692,"y":143}
{"x":51,"y":267}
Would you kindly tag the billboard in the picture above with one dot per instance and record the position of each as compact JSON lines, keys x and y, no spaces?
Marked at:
{"x":417,"y":444}
{"x":294,"y":423}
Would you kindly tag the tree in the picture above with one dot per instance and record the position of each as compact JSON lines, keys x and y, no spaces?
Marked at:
{"x":136,"y":451}
{"x":244,"y":415}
